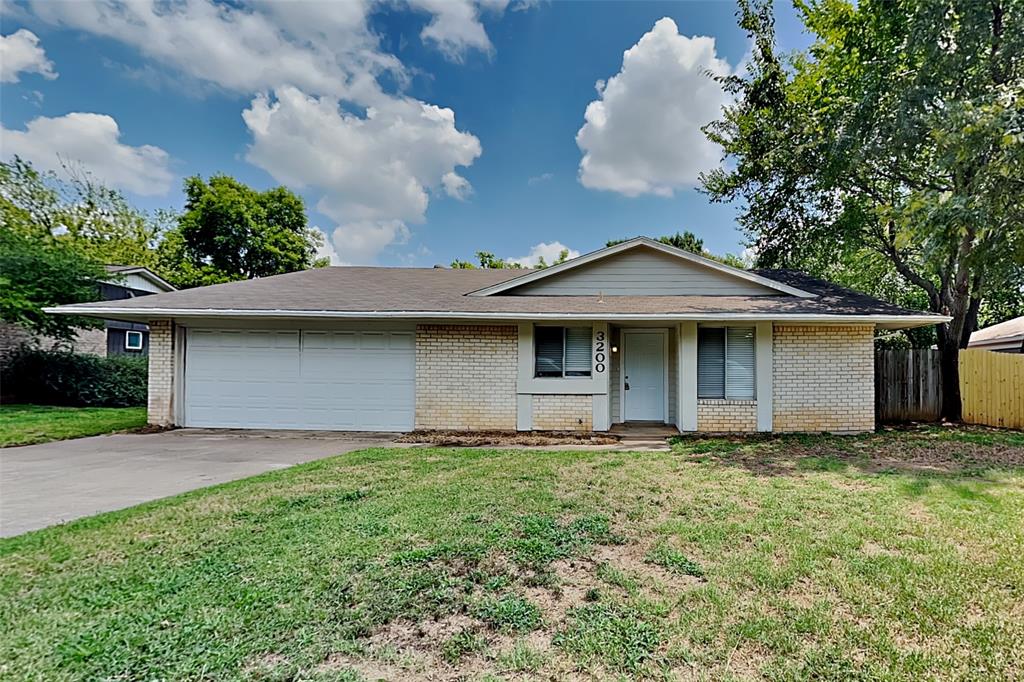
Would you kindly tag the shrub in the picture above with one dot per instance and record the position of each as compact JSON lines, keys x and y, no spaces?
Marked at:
{"x":63,"y":378}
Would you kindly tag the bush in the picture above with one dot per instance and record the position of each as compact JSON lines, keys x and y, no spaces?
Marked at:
{"x":63,"y":378}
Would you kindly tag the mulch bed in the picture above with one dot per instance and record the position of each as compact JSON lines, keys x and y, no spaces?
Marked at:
{"x":507,"y":438}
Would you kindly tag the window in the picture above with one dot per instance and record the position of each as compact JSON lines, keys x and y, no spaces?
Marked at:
{"x":725,"y":363}
{"x":133,"y":340}
{"x":562,"y":351}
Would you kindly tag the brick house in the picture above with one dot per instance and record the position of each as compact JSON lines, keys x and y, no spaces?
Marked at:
{"x":637,"y":332}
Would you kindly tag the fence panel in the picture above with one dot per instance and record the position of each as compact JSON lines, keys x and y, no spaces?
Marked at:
{"x":992,"y":388}
{"x":908,"y":385}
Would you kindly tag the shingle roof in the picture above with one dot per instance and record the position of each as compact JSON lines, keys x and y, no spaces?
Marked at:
{"x":1010,"y":330}
{"x":441,"y":290}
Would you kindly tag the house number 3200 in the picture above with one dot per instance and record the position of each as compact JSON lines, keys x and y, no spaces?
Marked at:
{"x":599,"y":352}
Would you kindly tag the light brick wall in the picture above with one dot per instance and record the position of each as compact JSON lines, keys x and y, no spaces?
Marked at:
{"x":563,"y":412}
{"x":161,"y":373}
{"x":466,"y":376}
{"x":726,"y":416}
{"x":823,"y":378}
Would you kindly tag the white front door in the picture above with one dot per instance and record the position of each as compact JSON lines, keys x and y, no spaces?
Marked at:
{"x":643,"y":375}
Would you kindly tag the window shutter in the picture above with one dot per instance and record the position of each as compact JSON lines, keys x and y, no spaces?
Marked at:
{"x":577,"y":351}
{"x":710,"y":362}
{"x":548,"y":352}
{"x":739,"y":368}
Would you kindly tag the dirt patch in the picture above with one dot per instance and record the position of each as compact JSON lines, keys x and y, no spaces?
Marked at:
{"x":507,"y":438}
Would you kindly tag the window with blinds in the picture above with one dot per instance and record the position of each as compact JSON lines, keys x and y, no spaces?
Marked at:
{"x":725,"y":363}
{"x":562,"y":351}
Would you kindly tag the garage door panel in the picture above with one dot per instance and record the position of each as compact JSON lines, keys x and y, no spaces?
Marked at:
{"x":301,"y":380}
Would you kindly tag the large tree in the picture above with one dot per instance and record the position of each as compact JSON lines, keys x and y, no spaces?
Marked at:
{"x":56,"y":232}
{"x":894,"y":143}
{"x":230,"y":231}
{"x":72,"y":207}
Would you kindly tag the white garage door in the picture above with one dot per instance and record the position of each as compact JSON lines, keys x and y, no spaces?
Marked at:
{"x":332,"y":380}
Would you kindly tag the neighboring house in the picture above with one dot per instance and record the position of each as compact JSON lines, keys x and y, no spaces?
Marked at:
{"x":128,"y":281}
{"x":115,"y":337}
{"x":1005,"y":337}
{"x":637,"y":332}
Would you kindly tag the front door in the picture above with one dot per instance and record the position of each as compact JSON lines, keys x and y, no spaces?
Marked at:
{"x":643,"y":375}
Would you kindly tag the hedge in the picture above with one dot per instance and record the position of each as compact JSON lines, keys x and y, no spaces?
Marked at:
{"x":63,"y":378}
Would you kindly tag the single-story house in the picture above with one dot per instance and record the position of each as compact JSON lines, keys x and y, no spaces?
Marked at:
{"x":637,"y":332}
{"x":115,"y":337}
{"x":1005,"y":337}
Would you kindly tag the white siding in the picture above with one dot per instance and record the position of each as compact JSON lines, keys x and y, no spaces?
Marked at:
{"x":643,"y":272}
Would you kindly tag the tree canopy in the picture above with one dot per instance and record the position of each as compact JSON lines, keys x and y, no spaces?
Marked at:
{"x":230,"y":231}
{"x":891,"y":152}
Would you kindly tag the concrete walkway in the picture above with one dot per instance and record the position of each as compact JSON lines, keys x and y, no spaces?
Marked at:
{"x":41,"y":485}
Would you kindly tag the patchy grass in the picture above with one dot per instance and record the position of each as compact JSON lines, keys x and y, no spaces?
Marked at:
{"x":890,"y":556}
{"x":28,"y":424}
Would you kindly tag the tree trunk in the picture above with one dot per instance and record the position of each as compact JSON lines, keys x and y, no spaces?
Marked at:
{"x":949,"y":361}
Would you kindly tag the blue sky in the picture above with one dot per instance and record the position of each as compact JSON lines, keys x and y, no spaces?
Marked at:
{"x":417,"y":132}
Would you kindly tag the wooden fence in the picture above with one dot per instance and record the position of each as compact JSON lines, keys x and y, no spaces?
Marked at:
{"x":992,"y":388}
{"x":908,"y":387}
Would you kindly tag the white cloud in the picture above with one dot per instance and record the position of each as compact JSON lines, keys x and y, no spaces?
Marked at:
{"x":326,"y":249}
{"x":456,"y":186}
{"x":20,"y":52}
{"x":374,"y":172}
{"x":361,"y":241}
{"x":642,"y":135}
{"x":320,"y":47}
{"x":537,"y":179}
{"x":320,"y":118}
{"x":93,"y":140}
{"x":549,"y":251}
{"x":455,"y":27}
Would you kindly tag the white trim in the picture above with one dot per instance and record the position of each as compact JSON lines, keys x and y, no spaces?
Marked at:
{"x":622,"y":369}
{"x":687,"y":389}
{"x":128,"y":334}
{"x":143,"y":272}
{"x":763,"y":373}
{"x":158,"y":313}
{"x":524,"y":412}
{"x":535,"y":275}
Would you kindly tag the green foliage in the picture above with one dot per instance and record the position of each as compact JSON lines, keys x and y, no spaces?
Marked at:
{"x":622,"y":638}
{"x":688,"y":241}
{"x":39,"y":271}
{"x":62,"y":378}
{"x":461,"y":644}
{"x":671,"y":558}
{"x":486,"y":260}
{"x":229,"y":231}
{"x":74,"y":209}
{"x":510,"y":613}
{"x":889,"y":155}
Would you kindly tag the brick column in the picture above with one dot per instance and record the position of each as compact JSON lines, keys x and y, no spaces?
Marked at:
{"x":161,"y":373}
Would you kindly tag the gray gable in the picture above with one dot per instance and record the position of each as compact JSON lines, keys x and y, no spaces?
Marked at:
{"x":642,"y":271}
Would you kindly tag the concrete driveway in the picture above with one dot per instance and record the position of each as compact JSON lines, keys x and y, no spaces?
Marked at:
{"x":41,"y":485}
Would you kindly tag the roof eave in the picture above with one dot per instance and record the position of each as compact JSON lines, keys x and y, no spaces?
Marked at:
{"x":888,"y":321}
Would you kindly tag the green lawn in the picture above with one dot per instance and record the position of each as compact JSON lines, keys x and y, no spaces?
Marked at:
{"x":27,"y":424}
{"x":894,"y":556}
